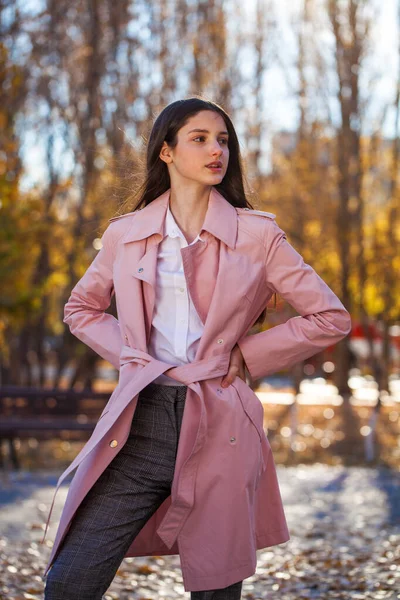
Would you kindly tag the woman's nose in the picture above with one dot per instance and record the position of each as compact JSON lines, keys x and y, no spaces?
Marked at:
{"x":216,"y":149}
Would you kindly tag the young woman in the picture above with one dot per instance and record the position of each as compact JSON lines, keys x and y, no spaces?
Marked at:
{"x":179,"y":462}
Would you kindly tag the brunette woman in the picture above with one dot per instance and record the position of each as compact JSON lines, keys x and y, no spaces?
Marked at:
{"x":179,"y":462}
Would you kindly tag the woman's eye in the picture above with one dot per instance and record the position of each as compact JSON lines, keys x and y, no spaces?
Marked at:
{"x":201,"y":137}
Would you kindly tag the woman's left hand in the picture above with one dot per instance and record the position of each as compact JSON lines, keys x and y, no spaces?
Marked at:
{"x":236,"y":367}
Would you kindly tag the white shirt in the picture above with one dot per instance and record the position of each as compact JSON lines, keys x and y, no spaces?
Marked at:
{"x":176,"y":327}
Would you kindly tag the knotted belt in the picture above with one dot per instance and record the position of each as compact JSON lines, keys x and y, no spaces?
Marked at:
{"x":137,"y":370}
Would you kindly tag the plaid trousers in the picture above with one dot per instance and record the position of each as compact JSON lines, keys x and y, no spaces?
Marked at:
{"x":124,"y":497}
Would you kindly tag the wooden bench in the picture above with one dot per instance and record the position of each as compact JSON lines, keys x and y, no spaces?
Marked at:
{"x":40,"y":413}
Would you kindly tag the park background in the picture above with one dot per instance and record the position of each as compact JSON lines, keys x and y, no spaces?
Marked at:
{"x":313,"y":88}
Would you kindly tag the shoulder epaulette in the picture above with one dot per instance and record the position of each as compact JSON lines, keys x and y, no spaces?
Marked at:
{"x":262,"y":213}
{"x":125,"y":215}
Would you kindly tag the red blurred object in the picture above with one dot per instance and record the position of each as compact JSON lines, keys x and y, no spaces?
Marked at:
{"x":359,"y":331}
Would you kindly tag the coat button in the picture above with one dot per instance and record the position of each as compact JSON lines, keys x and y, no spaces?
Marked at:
{"x":140,"y":270}
{"x":232,"y":439}
{"x":220,"y":341}
{"x":113,"y":443}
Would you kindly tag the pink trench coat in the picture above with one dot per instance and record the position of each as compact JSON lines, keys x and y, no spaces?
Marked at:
{"x":225,"y":501}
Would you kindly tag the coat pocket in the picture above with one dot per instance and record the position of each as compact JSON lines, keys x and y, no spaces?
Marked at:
{"x":254,"y":411}
{"x":251,"y":405}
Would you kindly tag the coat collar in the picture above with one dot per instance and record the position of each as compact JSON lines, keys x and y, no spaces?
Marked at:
{"x":220,"y":219}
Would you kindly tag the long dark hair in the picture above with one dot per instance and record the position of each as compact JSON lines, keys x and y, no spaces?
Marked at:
{"x":165,"y":128}
{"x":156,"y":177}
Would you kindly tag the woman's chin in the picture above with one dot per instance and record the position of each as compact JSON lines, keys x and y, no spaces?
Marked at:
{"x":215,"y":177}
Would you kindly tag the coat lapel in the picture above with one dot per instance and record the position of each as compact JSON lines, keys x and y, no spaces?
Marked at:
{"x":200,"y":261}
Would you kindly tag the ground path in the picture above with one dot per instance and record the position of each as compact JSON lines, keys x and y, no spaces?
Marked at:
{"x":345,"y":540}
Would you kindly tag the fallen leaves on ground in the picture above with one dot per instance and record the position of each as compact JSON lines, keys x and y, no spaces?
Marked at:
{"x":345,"y":541}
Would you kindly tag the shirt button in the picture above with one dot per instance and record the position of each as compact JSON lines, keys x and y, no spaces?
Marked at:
{"x":181,"y":289}
{"x":232,"y":439}
{"x":220,"y":341}
{"x":126,"y":337}
{"x":140,"y":270}
{"x":113,"y":443}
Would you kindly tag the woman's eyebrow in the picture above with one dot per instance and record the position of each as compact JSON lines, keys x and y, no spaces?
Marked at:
{"x":205,"y":131}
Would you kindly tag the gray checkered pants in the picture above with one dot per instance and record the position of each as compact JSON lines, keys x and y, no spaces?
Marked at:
{"x":122,"y":500}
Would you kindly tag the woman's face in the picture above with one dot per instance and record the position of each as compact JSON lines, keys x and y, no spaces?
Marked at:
{"x":196,"y":149}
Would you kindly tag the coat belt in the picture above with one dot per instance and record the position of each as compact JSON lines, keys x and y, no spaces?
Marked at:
{"x":197,"y":370}
{"x":132,"y":380}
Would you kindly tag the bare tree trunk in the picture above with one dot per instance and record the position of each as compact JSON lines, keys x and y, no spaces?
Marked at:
{"x":393,"y":247}
{"x":351,"y":35}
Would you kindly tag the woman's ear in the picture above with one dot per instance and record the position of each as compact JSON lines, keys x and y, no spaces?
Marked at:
{"x":165,"y":153}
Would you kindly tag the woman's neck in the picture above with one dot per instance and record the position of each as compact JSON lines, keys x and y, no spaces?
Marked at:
{"x":189,"y":208}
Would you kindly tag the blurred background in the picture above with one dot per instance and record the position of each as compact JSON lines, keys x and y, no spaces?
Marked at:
{"x":313,"y":88}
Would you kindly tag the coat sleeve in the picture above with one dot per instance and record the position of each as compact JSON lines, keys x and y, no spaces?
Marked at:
{"x":85,"y":310}
{"x":322,"y":320}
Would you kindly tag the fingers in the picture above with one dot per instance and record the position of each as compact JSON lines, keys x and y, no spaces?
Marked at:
{"x":236,"y":368}
{"x":230,"y":376}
